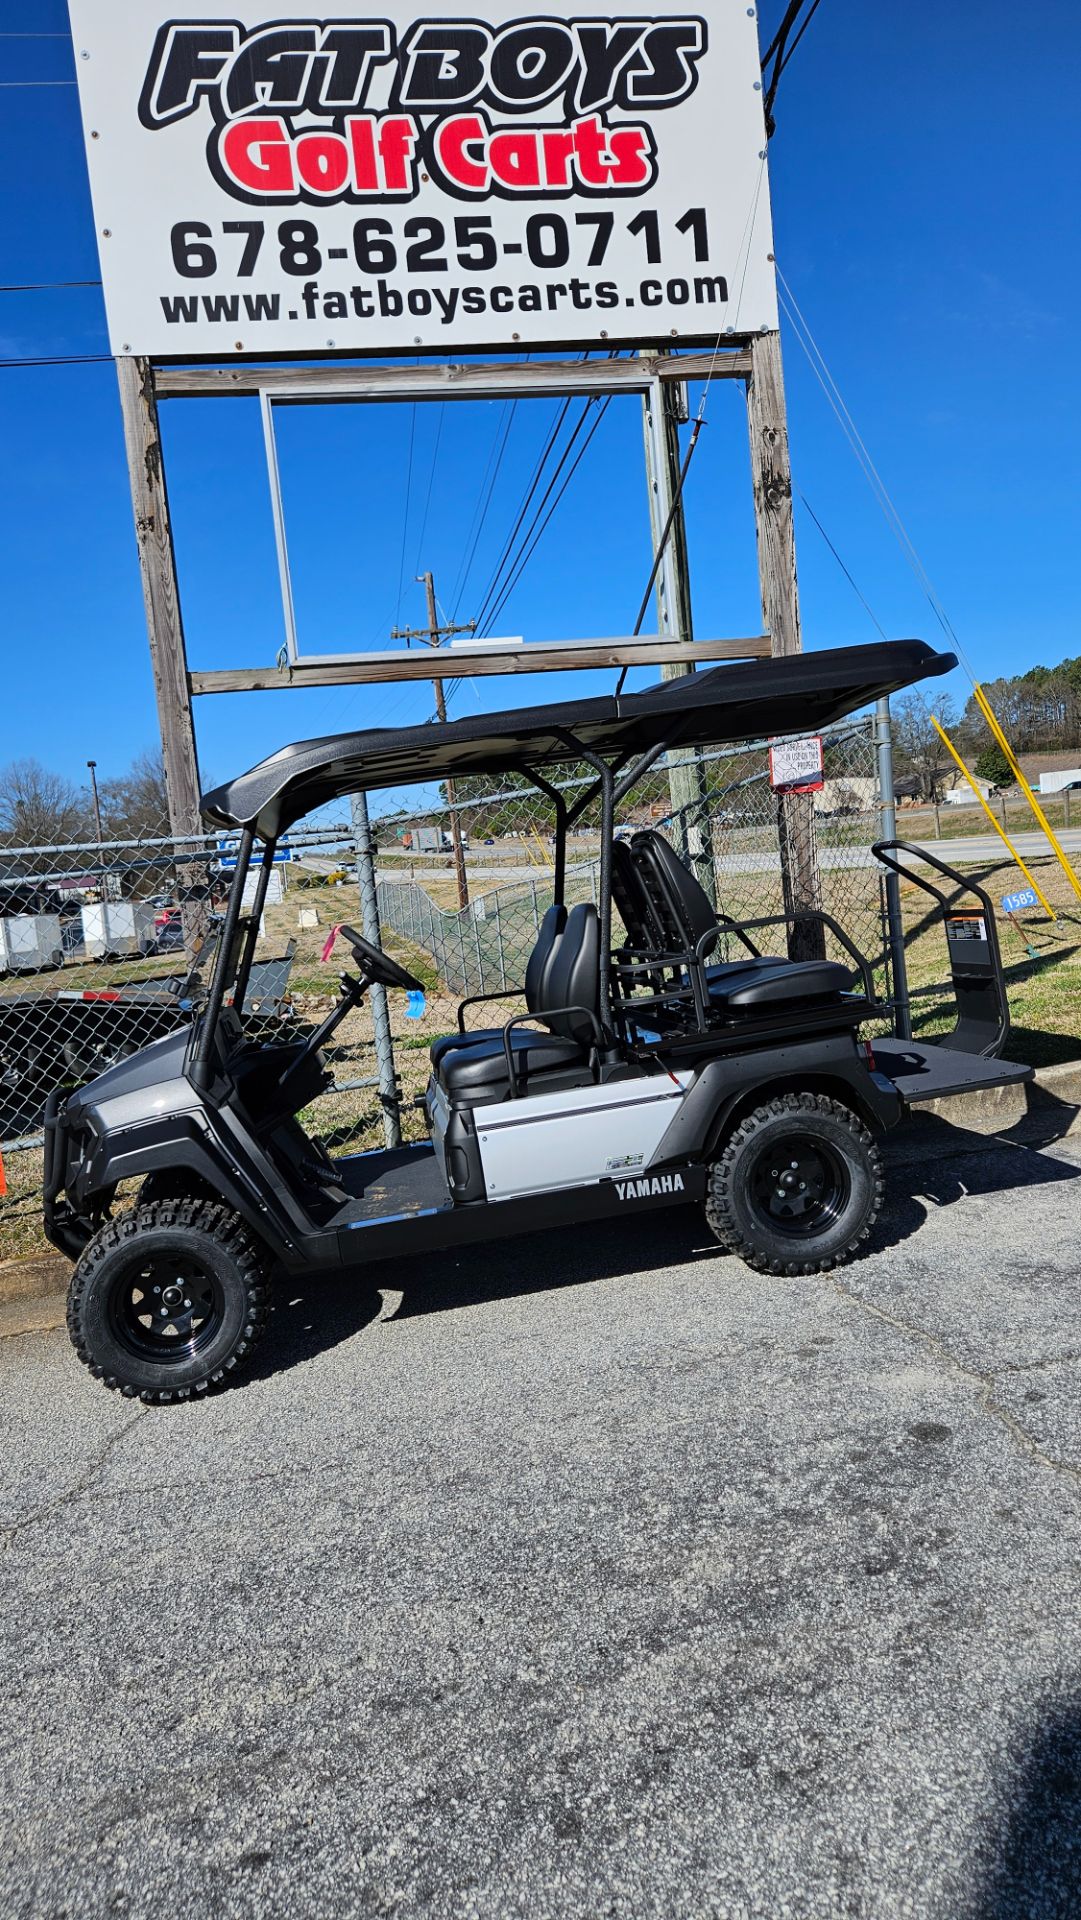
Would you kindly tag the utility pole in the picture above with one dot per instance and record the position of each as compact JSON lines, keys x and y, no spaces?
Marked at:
{"x":662,"y":409}
{"x":772,"y":477}
{"x":433,"y":635}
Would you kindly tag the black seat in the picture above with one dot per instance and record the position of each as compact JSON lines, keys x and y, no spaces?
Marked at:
{"x":569,"y":1006}
{"x":547,"y":943}
{"x":677,"y":907}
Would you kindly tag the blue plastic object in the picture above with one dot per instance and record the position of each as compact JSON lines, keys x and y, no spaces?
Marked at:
{"x":415,"y":1006}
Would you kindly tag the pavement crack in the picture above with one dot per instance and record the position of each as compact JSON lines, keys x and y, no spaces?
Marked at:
{"x":972,"y":1376}
{"x":9,"y":1532}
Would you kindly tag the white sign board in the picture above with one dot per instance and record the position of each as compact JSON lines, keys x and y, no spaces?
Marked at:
{"x":439,"y":180}
{"x":795,"y":766}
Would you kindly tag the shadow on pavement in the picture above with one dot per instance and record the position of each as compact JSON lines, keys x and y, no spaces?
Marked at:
{"x":313,"y":1314}
{"x":1036,"y":1872}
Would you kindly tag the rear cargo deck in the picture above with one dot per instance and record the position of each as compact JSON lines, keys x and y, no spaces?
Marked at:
{"x":921,"y":1070}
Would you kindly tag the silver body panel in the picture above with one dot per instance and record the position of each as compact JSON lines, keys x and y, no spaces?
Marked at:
{"x":575,"y":1137}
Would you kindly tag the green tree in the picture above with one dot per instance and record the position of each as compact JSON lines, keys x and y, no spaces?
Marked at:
{"x":993,"y":765}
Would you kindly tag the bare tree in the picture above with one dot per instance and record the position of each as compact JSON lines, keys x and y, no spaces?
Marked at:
{"x":917,"y":747}
{"x":135,"y":804}
{"x":39,"y":808}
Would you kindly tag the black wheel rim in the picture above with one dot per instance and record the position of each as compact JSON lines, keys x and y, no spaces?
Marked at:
{"x":799,"y":1186}
{"x":166,"y":1309}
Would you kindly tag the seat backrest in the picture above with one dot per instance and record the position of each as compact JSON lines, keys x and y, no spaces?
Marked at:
{"x":574,"y":977}
{"x":544,"y":952}
{"x":682,"y":907}
{"x":644,"y":931}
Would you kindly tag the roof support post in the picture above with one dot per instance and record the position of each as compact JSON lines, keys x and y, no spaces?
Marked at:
{"x":560,"y":805}
{"x":606,"y":781}
{"x":204,"y":1044}
{"x":257,"y":905}
{"x":771,"y":475}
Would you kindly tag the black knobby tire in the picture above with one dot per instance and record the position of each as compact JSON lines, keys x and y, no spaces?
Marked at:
{"x":208,"y":1268}
{"x":797,"y":1186}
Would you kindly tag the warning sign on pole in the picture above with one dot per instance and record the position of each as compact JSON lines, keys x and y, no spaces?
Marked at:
{"x":392,"y":182}
{"x":796,"y":766}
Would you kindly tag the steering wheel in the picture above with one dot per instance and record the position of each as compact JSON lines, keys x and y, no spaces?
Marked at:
{"x":377,"y":965}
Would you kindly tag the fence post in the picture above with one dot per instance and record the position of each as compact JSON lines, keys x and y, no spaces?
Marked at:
{"x":887,"y":830}
{"x":461,"y":951}
{"x":499,"y":941}
{"x":369,"y":920}
{"x":481,"y":986}
{"x":536,"y":909}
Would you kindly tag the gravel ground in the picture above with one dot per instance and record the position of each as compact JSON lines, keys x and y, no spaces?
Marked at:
{"x":592,"y":1576}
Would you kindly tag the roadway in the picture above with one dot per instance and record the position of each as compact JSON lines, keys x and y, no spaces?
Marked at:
{"x":589,"y":1576}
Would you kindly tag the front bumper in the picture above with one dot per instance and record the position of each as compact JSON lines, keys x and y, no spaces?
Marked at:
{"x":64,"y":1228}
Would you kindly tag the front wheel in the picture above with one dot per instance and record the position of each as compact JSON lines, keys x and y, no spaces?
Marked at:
{"x":168,"y":1299}
{"x":797,"y":1186}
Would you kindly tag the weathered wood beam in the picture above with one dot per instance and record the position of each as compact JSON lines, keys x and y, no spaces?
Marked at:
{"x":161,"y":594}
{"x":449,"y":381}
{"x":460,"y":663}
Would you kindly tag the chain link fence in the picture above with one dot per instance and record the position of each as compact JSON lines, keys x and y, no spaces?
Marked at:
{"x":105,"y":946}
{"x":495,"y":847}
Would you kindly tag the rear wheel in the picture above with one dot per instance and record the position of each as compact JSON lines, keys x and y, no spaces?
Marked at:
{"x":167,"y":1300}
{"x":797,"y":1186}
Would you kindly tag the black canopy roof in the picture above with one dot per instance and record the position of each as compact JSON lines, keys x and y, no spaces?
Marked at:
{"x":799,"y":693}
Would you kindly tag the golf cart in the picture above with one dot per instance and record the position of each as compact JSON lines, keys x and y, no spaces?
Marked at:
{"x":648,"y":1075}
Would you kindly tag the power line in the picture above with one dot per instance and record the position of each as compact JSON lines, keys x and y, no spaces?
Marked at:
{"x":38,"y":83}
{"x":871,"y":474}
{"x":493,"y":583}
{"x":484,"y":499}
{"x":865,"y":604}
{"x":61,"y":360}
{"x":513,"y":563}
{"x":780,"y":52}
{"x":405,"y":519}
{"x":45,"y":286}
{"x":527,"y":555}
{"x":431,"y":481}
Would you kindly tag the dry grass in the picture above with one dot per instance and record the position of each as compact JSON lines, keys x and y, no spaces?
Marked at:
{"x":1044,"y":988}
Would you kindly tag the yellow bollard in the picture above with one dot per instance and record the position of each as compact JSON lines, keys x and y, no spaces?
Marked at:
{"x":997,"y":733}
{"x":1000,"y":830}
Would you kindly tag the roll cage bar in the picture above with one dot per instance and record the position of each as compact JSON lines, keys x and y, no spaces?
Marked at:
{"x":620,"y":737}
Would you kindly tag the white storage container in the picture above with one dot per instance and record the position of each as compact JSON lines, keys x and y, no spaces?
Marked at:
{"x":29,"y":942}
{"x":123,"y":927}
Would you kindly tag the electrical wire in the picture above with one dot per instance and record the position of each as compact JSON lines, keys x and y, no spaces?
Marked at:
{"x":500,"y":597}
{"x":527,"y":555}
{"x":431,"y":482}
{"x":874,"y":479}
{"x":865,"y":604}
{"x":542,"y":460}
{"x":405,"y":519}
{"x":781,"y":53}
{"x":45,"y":286}
{"x":480,"y":511}
{"x":60,"y":360}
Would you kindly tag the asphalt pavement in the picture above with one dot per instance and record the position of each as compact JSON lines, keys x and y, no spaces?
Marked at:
{"x":583,"y":1576}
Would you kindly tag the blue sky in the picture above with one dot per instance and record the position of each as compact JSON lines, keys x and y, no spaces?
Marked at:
{"x":925,"y":178}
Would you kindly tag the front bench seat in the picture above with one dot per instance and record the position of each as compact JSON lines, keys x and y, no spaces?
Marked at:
{"x":549,"y":935}
{"x":570,"y":980}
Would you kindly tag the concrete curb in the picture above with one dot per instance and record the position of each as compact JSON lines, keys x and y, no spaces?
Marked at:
{"x":1044,"y":1110}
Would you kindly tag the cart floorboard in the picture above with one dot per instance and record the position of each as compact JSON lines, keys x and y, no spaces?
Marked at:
{"x":924,"y":1070}
{"x":390,"y":1183}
